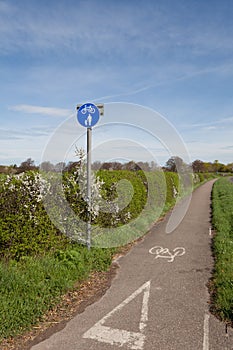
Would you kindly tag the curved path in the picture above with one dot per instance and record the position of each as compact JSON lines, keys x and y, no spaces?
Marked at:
{"x":159,"y":299}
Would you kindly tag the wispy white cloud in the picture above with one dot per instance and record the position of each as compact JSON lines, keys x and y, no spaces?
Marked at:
{"x":173,"y":56}
{"x":208,"y":128}
{"x":50,"y":111}
{"x":57,"y":26}
{"x":170,"y":75}
{"x":126,"y":93}
{"x":6,"y":134}
{"x":90,"y":27}
{"x":211,"y":125}
{"x":210,"y":150}
{"x":228,"y":119}
{"x":21,"y":134}
{"x":230,"y":147}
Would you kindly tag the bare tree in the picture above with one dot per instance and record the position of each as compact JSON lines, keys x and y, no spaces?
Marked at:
{"x":27,"y":165}
{"x":47,"y":166}
{"x":174,"y":164}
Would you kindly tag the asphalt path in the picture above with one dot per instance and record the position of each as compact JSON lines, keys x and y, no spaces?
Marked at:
{"x":159,"y":299}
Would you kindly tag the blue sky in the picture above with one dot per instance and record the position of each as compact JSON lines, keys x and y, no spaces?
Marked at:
{"x":172,"y":56}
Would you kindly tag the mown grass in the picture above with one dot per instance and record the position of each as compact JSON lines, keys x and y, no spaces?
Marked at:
{"x":222,"y":211}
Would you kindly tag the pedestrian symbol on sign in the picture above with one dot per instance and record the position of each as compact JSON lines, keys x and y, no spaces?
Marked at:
{"x":88,"y":120}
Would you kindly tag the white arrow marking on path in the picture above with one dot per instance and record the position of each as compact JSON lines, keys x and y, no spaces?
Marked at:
{"x":113,"y":336}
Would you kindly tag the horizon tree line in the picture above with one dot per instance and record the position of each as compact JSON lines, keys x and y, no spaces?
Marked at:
{"x":198,"y":166}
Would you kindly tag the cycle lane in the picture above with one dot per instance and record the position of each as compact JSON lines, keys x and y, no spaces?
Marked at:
{"x":159,"y":299}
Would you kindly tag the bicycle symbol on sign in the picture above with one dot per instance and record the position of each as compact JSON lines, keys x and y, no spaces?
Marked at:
{"x":88,"y":109}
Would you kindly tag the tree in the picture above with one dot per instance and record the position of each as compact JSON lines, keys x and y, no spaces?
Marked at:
{"x":175,"y":164}
{"x":132,"y":166}
{"x":96,"y":165}
{"x":47,"y":166}
{"x":59,"y":167}
{"x":27,"y":165}
{"x":218,"y":167}
{"x":229,"y":167}
{"x":107,"y":166}
{"x":72,"y":166}
{"x":144,"y":166}
{"x":198,"y":166}
{"x":116,"y":165}
{"x":153,"y":166}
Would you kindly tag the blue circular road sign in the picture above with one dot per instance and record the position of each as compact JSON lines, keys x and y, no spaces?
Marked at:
{"x":88,"y":115}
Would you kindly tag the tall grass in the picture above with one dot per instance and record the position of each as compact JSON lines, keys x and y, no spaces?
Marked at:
{"x":222,"y":204}
{"x":31,"y":286}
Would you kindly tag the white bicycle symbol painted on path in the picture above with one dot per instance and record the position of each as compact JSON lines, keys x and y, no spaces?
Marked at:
{"x":165,"y":253}
{"x":88,"y":109}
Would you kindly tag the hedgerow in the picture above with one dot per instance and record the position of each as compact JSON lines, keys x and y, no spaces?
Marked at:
{"x":111,"y":191}
{"x":25,"y":228}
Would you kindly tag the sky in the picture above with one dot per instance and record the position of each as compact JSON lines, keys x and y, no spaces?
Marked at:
{"x":171,"y":58}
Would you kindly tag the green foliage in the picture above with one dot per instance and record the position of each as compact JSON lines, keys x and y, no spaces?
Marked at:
{"x":172,"y":183}
{"x":32,"y":286}
{"x":161,"y":191}
{"x":38,"y":262}
{"x":222,"y":205}
{"x":25,"y":227}
{"x":110,"y":192}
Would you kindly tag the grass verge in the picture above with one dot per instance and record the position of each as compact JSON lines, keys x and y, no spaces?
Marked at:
{"x":31,"y":286}
{"x":222,"y":212}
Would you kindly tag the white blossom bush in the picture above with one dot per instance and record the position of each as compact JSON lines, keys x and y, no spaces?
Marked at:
{"x":25,"y":199}
{"x":25,"y":227}
{"x":108,"y":207}
{"x":75,"y":187}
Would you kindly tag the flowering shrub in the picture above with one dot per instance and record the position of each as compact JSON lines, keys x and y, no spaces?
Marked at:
{"x":75,"y":187}
{"x":24,"y":225}
{"x":104,"y":206}
{"x":172,"y":184}
{"x":117,"y":198}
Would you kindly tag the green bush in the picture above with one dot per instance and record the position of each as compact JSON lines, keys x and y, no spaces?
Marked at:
{"x":172,"y":182}
{"x":109,"y":193}
{"x":25,"y":228}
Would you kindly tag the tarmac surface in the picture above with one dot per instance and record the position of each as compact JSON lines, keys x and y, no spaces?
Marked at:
{"x":159,"y":299}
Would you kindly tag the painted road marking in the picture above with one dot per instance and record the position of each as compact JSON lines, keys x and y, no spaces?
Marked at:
{"x":119,"y":337}
{"x":165,"y":253}
{"x":206,"y":332}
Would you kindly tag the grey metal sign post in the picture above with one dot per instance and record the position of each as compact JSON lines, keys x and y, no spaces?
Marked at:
{"x":88,"y":116}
